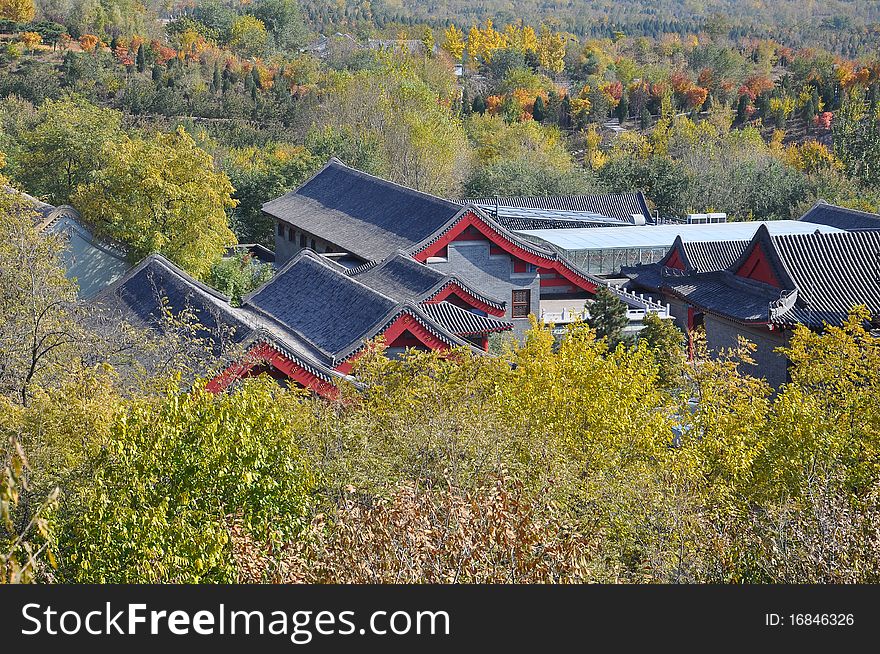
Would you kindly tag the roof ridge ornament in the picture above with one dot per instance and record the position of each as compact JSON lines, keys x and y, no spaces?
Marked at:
{"x":781,"y":306}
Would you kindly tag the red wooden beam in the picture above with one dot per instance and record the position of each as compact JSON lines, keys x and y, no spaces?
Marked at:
{"x":470,"y":219}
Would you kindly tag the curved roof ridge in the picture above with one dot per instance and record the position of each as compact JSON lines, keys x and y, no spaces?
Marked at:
{"x":824,"y":203}
{"x":338,"y":162}
{"x":452,"y":277}
{"x":414,"y":310}
{"x":332,"y":268}
{"x":172,"y":268}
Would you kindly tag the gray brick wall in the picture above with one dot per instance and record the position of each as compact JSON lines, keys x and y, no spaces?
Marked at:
{"x":678,"y":310}
{"x":493,"y":275}
{"x":773,"y":367}
{"x":287,"y":244}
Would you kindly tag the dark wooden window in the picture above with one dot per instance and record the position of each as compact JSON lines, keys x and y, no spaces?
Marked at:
{"x":302,"y":240}
{"x":522,"y":303}
{"x":280,"y":229}
{"x":291,"y":234}
{"x":313,"y":245}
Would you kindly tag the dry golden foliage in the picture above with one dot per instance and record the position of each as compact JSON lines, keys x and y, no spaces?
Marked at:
{"x":495,"y":534}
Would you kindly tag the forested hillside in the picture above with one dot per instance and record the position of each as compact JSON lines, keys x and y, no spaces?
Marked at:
{"x":849,"y":27}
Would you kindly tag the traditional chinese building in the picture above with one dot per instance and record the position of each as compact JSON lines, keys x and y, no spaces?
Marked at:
{"x":310,"y":322}
{"x":763,"y":287}
{"x":92,"y":262}
{"x":363,"y":219}
{"x":850,"y":220}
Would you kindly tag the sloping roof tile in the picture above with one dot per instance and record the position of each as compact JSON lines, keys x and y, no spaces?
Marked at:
{"x":402,"y":278}
{"x":311,"y":297}
{"x":832,"y":273}
{"x":156,"y":286}
{"x":823,"y":276}
{"x":823,"y":213}
{"x":718,"y":255}
{"x":620,"y":206}
{"x":362,"y":214}
{"x":462,"y":322}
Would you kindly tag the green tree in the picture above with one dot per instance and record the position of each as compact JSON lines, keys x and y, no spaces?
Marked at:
{"x":141,"y":59}
{"x":66,"y":146}
{"x":666,"y":341}
{"x":38,"y":330}
{"x":175,"y":475}
{"x":856,"y":129}
{"x":607,"y":315}
{"x":24,"y":548}
{"x":423,"y":143}
{"x":538,"y":110}
{"x":161,"y":194}
{"x":237,"y":276}
{"x":621,"y":111}
{"x":248,"y":36}
{"x":259,"y":175}
{"x":19,"y":11}
{"x":282,"y":19}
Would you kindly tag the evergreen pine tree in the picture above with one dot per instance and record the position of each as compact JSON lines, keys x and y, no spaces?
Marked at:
{"x":565,"y":112}
{"x":539,"y":112}
{"x":465,"y":103}
{"x":644,"y":119}
{"x":141,"y":59}
{"x":622,"y":108}
{"x":157,"y":72}
{"x":608,"y":315}
{"x":216,"y":82}
{"x":479,"y":105}
{"x":742,"y":108}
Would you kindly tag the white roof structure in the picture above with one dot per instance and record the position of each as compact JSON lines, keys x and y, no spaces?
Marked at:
{"x":663,"y":236}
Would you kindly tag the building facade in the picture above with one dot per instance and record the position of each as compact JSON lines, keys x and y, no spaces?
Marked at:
{"x":343,"y":211}
{"x":761,"y":289}
{"x":313,"y":319}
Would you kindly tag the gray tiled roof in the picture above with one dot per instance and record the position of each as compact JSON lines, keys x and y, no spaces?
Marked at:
{"x":822,"y":276}
{"x":527,"y":218}
{"x":93,"y":262}
{"x":718,"y":255}
{"x":373,"y":218}
{"x":722,"y":292}
{"x":362,"y":214}
{"x":832,"y":273}
{"x":154,"y":286}
{"x":697,"y":257}
{"x":402,"y":277}
{"x":335,"y":312}
{"x":462,"y":322}
{"x":312,"y":298}
{"x":620,"y":206}
{"x":823,"y":213}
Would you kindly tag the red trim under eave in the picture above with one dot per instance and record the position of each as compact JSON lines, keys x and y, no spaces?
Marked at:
{"x":758,"y":267}
{"x":263,"y":353}
{"x":401,"y":324}
{"x":459,"y":292}
{"x":675,"y":261}
{"x":471,"y":219}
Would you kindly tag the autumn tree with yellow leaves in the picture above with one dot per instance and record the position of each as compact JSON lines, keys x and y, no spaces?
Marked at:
{"x":20,"y":11}
{"x":453,"y":42}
